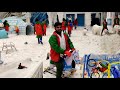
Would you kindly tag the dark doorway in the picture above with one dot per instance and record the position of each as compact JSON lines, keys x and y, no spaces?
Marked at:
{"x":29,"y":29}
{"x":94,"y":20}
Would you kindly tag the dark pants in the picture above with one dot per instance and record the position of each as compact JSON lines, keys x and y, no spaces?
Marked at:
{"x":17,"y":33}
{"x":59,"y":66}
{"x":40,"y":40}
{"x":103,"y":30}
{"x":75,"y":26}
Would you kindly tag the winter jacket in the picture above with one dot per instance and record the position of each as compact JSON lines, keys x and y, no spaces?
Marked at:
{"x":63,"y":25}
{"x":69,"y":27}
{"x":44,"y":28}
{"x":38,"y":30}
{"x":105,"y":25}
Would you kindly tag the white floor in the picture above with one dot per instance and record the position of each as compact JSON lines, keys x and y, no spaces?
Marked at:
{"x":37,"y":52}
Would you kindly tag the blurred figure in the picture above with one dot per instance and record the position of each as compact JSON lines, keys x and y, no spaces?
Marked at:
{"x":104,"y":26}
{"x":17,"y":30}
{"x":6,"y":25}
{"x":116,"y":21}
{"x":39,"y":31}
{"x":75,"y":23}
{"x":64,"y":25}
{"x":70,"y":25}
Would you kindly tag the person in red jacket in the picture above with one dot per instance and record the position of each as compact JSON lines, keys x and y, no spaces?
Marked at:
{"x":17,"y":30}
{"x":60,"y":45}
{"x":39,"y":32}
{"x":75,"y":23}
{"x":6,"y":25}
{"x":44,"y":29}
{"x":64,"y":25}
{"x":70,"y":25}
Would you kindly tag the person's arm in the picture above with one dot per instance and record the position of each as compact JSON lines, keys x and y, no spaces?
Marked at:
{"x":54,"y":45}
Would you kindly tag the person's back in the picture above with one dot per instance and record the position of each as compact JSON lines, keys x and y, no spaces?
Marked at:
{"x":38,"y":29}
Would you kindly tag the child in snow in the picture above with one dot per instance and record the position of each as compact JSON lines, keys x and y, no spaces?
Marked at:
{"x":17,"y":30}
{"x":70,"y":25}
{"x":64,"y":25}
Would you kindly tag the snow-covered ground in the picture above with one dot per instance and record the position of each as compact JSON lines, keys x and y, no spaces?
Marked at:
{"x":37,"y":52}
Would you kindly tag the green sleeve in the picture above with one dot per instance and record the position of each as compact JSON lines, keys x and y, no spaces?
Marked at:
{"x":103,"y":65}
{"x":54,"y":45}
{"x":70,"y":42}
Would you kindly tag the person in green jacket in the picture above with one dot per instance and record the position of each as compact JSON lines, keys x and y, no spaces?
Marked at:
{"x":60,"y":45}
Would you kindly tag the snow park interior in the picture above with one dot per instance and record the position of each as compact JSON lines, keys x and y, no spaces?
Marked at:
{"x":96,"y":54}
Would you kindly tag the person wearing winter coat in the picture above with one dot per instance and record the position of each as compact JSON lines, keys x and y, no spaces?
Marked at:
{"x":64,"y":25}
{"x":70,"y":26}
{"x":6,"y":25}
{"x":104,"y":26}
{"x":60,"y":45}
{"x":44,"y":29}
{"x":39,"y":31}
{"x":75,"y":23}
{"x":17,"y":30}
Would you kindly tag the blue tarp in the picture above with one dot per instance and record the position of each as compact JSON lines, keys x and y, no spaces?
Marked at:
{"x":3,"y":34}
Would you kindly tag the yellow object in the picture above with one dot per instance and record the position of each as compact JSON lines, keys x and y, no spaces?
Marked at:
{"x":109,"y":66}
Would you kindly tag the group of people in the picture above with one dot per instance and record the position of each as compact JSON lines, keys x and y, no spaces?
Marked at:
{"x":40,"y":30}
{"x":116,"y":22}
{"x":69,"y":25}
{"x":6,"y":26}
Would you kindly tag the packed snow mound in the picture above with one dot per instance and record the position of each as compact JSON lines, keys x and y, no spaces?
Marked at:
{"x":111,"y":44}
{"x":16,"y":21}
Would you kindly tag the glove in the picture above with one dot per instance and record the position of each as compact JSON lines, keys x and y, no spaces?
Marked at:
{"x":73,"y":49}
{"x":67,"y":53}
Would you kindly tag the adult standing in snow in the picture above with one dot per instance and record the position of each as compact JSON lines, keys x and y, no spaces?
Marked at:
{"x":60,"y":44}
{"x":116,"y":21}
{"x":70,"y":25}
{"x":75,"y":23}
{"x":6,"y":25}
{"x":44,"y":26}
{"x":104,"y":26}
{"x":39,"y":31}
{"x":64,"y":25}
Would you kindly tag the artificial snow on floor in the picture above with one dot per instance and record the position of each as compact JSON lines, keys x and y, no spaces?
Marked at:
{"x":32,"y":54}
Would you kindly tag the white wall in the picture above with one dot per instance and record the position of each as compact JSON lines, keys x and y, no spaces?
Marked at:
{"x":87,"y":16}
{"x":60,"y":16}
